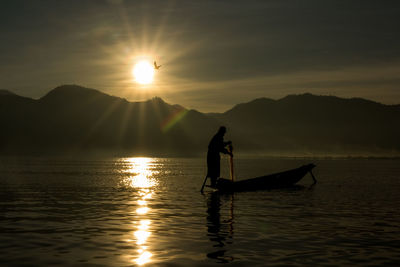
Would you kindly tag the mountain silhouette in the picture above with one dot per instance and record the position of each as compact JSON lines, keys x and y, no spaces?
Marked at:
{"x":5,"y":92}
{"x":72,"y":118}
{"x":316,"y":123}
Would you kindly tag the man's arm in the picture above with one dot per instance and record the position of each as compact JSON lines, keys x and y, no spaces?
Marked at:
{"x":227,"y":143}
{"x":226,"y":151}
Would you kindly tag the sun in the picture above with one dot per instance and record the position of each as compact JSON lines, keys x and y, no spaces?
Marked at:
{"x":143,"y":72}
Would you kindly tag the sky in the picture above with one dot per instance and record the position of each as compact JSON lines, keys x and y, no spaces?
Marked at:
{"x":214,"y":54}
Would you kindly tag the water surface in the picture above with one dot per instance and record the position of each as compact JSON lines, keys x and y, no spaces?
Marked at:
{"x":148,"y":211}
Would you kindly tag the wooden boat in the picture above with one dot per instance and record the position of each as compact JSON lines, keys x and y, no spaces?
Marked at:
{"x":272,"y":181}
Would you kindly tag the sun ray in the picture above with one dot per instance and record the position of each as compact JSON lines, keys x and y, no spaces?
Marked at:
{"x":124,"y":124}
{"x":102,"y":118}
{"x":150,"y":40}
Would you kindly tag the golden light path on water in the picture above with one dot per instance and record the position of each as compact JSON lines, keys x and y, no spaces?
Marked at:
{"x":141,"y":178}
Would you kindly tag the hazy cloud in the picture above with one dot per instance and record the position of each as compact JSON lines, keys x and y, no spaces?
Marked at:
{"x":222,"y":51}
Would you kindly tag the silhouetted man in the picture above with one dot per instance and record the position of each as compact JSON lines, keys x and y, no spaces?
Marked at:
{"x":216,"y":146}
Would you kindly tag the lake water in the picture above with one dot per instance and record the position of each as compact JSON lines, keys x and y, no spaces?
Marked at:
{"x":149,"y":211}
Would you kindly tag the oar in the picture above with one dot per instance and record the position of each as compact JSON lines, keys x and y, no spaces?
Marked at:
{"x":204,"y":183}
{"x":230,"y":149}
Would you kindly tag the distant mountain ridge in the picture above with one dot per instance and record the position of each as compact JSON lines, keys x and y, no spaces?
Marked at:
{"x":317,"y":123}
{"x":5,"y":92}
{"x":73,"y":118}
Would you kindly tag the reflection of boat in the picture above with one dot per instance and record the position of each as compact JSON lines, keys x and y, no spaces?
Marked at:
{"x":272,"y":181}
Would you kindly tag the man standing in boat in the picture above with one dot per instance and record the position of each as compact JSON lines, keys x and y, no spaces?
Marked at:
{"x":216,"y":146}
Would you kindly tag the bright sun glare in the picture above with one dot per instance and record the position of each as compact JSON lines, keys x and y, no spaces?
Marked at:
{"x":143,"y":72}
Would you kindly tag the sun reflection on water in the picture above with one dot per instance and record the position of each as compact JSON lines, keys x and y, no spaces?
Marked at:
{"x":143,"y":229}
{"x":140,"y":173}
{"x":141,"y":177}
{"x":142,"y":210}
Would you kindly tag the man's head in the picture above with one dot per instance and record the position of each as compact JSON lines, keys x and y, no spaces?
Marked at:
{"x":222,"y":130}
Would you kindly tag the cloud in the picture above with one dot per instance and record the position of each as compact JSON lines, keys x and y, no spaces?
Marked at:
{"x":223,"y":51}
{"x":378,"y":82}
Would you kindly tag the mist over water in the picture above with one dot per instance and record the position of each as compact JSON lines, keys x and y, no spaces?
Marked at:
{"x":148,"y":211}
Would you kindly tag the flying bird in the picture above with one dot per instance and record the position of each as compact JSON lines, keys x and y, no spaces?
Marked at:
{"x":157,"y":67}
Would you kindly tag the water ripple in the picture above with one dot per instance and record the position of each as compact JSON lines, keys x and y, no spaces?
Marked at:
{"x":138,"y":211}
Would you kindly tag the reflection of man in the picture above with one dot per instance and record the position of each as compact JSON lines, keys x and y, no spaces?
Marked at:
{"x":216,"y":146}
{"x":217,"y":231}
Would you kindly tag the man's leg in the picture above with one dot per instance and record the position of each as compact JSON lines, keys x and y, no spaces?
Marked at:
{"x":213,"y":181}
